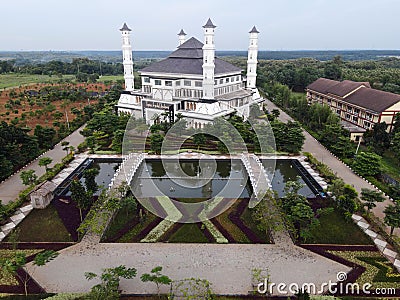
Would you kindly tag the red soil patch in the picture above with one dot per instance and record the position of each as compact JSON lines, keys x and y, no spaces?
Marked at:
{"x":46,"y":119}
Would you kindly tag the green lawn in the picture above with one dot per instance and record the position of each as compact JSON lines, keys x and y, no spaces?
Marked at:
{"x":233,"y":230}
{"x":120,"y":220}
{"x":188,"y":233}
{"x":112,"y":78}
{"x":335,"y":229}
{"x":43,"y":225}
{"x":15,"y":80}
{"x":249,"y":222}
{"x":131,"y":235}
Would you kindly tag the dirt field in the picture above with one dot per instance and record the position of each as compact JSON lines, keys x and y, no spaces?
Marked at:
{"x":26,"y":104}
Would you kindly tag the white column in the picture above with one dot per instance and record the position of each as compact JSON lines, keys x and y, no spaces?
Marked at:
{"x":181,"y":36}
{"x":208,"y":60}
{"x":127,"y":58}
{"x":252,"y":59}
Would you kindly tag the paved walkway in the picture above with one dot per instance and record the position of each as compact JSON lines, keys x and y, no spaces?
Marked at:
{"x":227,"y":267}
{"x":319,"y":152}
{"x":11,"y":187}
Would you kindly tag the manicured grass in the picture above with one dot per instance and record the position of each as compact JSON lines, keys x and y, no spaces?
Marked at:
{"x":190,"y":200}
{"x":335,"y":229}
{"x":233,"y":230}
{"x":131,"y":235}
{"x":249,"y":222}
{"x":15,"y":80}
{"x":113,"y":78}
{"x":43,"y":225}
{"x":378,"y":270}
{"x":119,"y":222}
{"x":188,"y":233}
{"x":6,"y":278}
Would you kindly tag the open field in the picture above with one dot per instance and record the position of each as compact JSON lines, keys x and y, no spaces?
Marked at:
{"x":16,"y":80}
{"x":105,"y":78}
{"x":16,"y":104}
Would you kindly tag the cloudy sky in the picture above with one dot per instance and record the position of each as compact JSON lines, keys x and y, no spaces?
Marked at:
{"x":284,"y":24}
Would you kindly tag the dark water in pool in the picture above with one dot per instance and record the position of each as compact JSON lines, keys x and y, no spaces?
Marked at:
{"x":194,"y":179}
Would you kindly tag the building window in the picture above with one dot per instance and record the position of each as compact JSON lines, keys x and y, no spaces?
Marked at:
{"x":221,"y":81}
{"x":199,"y":83}
{"x":178,"y":83}
{"x":237,"y":78}
{"x":367,"y":124}
{"x":227,"y":80}
{"x":338,"y":111}
{"x":355,"y":119}
{"x":146,"y":79}
{"x":157,"y":82}
{"x":187,"y":83}
{"x":168,"y":83}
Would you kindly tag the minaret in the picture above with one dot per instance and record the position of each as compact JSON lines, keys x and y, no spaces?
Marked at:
{"x":208,"y":60}
{"x":252,"y":59}
{"x":127,"y":58}
{"x":181,"y":36}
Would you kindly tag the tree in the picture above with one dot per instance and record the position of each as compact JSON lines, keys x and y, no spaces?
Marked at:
{"x":396,"y":145}
{"x":110,"y":278}
{"x":90,"y":182}
{"x":79,"y":196}
{"x":156,"y":277}
{"x":368,"y":164}
{"x":65,"y":144}
{"x":392,"y":216}
{"x":91,"y":143}
{"x":28,"y":177}
{"x":370,"y":197}
{"x":199,"y":139}
{"x":44,"y":162}
{"x":128,"y":204}
{"x":11,"y":265}
{"x":156,"y":141}
{"x":378,"y":138}
{"x":141,"y":128}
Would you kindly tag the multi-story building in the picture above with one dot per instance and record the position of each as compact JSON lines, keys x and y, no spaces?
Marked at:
{"x":357,"y":104}
{"x":191,"y":81}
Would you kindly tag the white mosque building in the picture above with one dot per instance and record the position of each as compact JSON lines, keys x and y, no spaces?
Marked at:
{"x":191,"y":81}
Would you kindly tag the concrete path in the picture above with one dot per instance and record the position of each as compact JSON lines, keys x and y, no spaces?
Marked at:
{"x":319,"y":152}
{"x":11,"y":187}
{"x":227,"y":267}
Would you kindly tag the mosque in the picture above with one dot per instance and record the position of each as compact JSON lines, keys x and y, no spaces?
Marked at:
{"x":191,"y":81}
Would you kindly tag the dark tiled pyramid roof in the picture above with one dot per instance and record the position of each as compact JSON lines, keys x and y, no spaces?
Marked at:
{"x":125,"y":28}
{"x":209,"y":24}
{"x":181,"y":32}
{"x":188,"y":59}
{"x":254,"y":30}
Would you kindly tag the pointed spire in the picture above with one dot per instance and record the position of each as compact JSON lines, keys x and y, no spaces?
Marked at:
{"x":125,"y":28}
{"x":254,"y":30}
{"x":181,"y":33}
{"x":209,"y":24}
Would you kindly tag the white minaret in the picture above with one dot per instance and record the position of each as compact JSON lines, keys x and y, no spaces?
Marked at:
{"x":181,"y":36}
{"x":208,"y":60}
{"x":252,"y":59}
{"x":127,"y":58}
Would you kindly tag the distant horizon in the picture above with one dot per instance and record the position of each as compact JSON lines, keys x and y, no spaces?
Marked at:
{"x":218,"y":50}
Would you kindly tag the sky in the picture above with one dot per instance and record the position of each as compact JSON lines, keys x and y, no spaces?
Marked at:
{"x":283,"y":24}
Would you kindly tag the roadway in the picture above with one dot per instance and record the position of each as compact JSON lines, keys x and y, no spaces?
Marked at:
{"x":312,"y":146}
{"x":12,"y":186}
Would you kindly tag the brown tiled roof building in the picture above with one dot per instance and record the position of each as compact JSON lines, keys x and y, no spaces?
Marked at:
{"x":358,"y":105}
